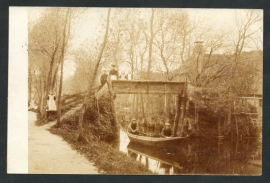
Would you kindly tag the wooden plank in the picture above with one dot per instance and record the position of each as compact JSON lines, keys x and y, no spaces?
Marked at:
{"x":147,"y":87}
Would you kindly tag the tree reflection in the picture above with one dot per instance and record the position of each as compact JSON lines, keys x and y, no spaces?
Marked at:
{"x":205,"y":156}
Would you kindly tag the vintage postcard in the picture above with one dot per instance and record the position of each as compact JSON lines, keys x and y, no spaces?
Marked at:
{"x":155,"y":91}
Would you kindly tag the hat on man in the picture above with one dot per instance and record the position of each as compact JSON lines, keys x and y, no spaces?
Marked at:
{"x":113,"y":64}
{"x":133,"y":119}
{"x":168,"y":124}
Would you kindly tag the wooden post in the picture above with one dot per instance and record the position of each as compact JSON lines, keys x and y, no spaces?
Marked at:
{"x":176,"y":119}
{"x":142,"y":105}
{"x":146,"y":162}
{"x":219,"y":119}
{"x":114,"y":123}
{"x":236,"y":124}
{"x":136,"y":103}
{"x":82,"y":136}
{"x":183,"y":112}
{"x":231,"y":117}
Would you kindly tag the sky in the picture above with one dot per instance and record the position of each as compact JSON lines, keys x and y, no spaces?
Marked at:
{"x":88,"y":26}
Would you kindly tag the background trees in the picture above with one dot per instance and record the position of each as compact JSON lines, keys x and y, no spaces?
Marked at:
{"x":45,"y":51}
{"x":156,"y":44}
{"x":48,"y":47}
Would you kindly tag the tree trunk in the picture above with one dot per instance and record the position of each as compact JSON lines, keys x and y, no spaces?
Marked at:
{"x":142,"y":105}
{"x":59,"y":95}
{"x":150,"y":44}
{"x":82,"y":109}
{"x":55,"y":75}
{"x":176,"y":119}
{"x":114,"y":123}
{"x":99,"y":56}
{"x":219,"y":133}
{"x":183,"y":112}
{"x":236,"y":126}
{"x":65,"y":40}
{"x":42,"y":101}
{"x":136,"y":103}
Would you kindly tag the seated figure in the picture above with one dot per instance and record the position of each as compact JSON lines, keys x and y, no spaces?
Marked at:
{"x":133,"y":127}
{"x":166,"y":131}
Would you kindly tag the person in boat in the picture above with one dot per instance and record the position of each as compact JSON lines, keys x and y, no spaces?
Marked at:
{"x":144,"y":125}
{"x":166,"y":131}
{"x":133,"y":127}
{"x":160,"y":126}
{"x":151,"y":127}
{"x":187,"y":128}
{"x":113,"y":72}
{"x":103,"y":77}
{"x":140,"y":124}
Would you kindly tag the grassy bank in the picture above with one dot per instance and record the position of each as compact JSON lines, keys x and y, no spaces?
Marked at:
{"x":99,"y":150}
{"x":107,"y":159}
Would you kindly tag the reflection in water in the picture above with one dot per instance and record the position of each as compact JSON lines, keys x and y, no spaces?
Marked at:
{"x":200,"y":156}
{"x":124,"y":140}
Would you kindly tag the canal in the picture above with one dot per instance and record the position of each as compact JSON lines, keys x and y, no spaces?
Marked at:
{"x":199,"y":156}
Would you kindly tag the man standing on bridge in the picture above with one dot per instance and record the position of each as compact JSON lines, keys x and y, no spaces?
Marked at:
{"x":113,"y":72}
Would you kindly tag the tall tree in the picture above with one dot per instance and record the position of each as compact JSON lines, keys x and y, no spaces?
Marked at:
{"x":66,"y":33}
{"x":150,"y":43}
{"x":45,"y":43}
{"x":248,"y":26}
{"x":82,"y":109}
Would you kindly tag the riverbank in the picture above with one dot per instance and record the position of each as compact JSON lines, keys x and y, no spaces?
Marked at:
{"x":106,"y":158}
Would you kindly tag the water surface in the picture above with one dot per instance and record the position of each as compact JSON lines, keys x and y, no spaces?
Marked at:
{"x":200,"y":156}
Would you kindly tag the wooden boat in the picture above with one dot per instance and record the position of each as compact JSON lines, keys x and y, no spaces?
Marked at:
{"x":165,"y":142}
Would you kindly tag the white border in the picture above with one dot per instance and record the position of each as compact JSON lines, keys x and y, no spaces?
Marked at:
{"x":17,"y":150}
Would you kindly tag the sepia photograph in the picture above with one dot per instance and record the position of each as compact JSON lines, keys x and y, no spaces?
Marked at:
{"x":144,"y":91}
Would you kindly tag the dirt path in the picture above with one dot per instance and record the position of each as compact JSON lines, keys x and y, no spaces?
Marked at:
{"x":50,"y":154}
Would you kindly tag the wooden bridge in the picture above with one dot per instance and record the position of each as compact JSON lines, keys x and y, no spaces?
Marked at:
{"x":141,"y":87}
{"x":113,"y":87}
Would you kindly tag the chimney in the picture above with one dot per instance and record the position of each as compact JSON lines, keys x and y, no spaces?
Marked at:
{"x":198,"y":47}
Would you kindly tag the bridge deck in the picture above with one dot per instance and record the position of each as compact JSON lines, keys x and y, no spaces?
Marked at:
{"x":146,"y":87}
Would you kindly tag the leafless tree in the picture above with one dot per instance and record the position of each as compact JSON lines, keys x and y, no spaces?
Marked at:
{"x":88,"y":96}
{"x":66,"y":34}
{"x":45,"y":43}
